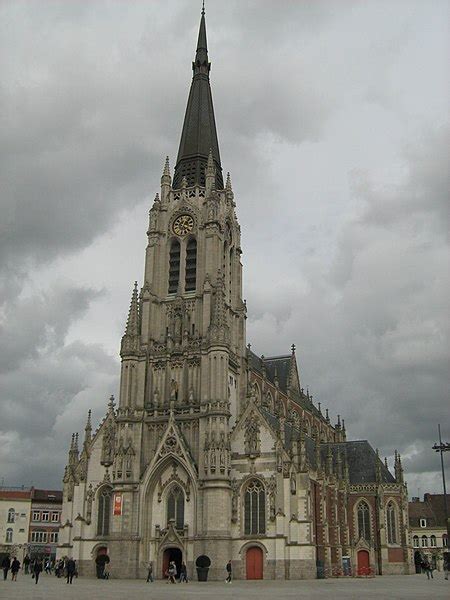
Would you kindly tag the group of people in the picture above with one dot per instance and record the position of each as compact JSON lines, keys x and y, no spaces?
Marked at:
{"x":35,"y":567}
{"x":171,"y":573}
{"x":10,"y":565}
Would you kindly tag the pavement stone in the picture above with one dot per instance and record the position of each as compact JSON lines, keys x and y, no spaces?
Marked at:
{"x":379,"y":588}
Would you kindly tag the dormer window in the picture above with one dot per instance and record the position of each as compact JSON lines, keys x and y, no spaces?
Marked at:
{"x":423,"y":522}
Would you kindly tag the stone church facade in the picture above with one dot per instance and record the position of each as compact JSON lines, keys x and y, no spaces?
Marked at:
{"x":212,"y":450}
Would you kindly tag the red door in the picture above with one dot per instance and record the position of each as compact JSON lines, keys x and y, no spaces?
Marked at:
{"x":254,"y":563}
{"x":363,"y":562}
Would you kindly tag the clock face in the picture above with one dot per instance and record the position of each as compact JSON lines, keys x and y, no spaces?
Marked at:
{"x":183,"y":224}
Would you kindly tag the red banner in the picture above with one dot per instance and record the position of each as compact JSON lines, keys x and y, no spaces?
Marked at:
{"x":117,"y":504}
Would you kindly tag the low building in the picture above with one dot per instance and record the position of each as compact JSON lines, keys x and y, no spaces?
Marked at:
{"x":45,"y":523}
{"x":15,"y":509}
{"x":428,"y":529}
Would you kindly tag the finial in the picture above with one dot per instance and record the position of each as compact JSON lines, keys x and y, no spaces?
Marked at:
{"x":327,"y":416}
{"x":203,"y":8}
{"x":165,"y":177}
{"x":318,"y":407}
{"x":76,"y":442}
{"x":293,"y":348}
{"x":385,"y":462}
{"x":111,"y":403}
{"x":339,"y":421}
{"x":228,"y":183}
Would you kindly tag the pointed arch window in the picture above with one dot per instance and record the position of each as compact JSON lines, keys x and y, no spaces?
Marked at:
{"x":175,"y":506}
{"x":391,"y":523}
{"x":191,"y":265}
{"x":174,"y":266}
{"x":255,"y":509}
{"x":364,"y":521}
{"x":104,"y":511}
{"x":11,"y":515}
{"x":433,"y":541}
{"x":9,"y":536}
{"x":424,"y":541}
{"x":416,"y":541}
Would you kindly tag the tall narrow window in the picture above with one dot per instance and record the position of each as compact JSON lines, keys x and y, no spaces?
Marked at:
{"x":416,"y":541}
{"x":191,"y":265}
{"x":9,"y":536}
{"x":391,"y":523}
{"x":174,"y":266}
{"x":104,"y":511}
{"x":433,"y":541}
{"x":424,"y":541}
{"x":255,"y":509}
{"x":175,"y":507}
{"x":11,"y":515}
{"x":364,"y":521}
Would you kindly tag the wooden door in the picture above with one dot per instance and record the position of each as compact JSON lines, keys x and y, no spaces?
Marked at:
{"x":254,"y":561}
{"x":363,"y":562}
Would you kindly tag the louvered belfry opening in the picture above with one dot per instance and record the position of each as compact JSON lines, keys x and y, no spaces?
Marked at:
{"x":174,"y":266}
{"x":191,"y":265}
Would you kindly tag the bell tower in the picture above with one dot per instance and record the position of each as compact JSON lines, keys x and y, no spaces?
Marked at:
{"x":183,"y":352}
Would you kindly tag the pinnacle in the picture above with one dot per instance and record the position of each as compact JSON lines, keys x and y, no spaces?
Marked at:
{"x":132,"y":327}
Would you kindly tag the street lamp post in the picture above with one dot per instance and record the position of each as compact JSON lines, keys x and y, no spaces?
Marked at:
{"x":443,"y":447}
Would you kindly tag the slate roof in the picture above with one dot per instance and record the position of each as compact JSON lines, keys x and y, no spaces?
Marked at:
{"x":199,"y":134}
{"x":280,"y":364}
{"x":361,"y":457}
{"x":362,"y":460}
{"x":432,"y":509}
{"x":55,"y":496}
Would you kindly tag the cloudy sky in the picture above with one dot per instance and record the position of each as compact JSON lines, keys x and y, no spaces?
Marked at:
{"x":333,"y":120}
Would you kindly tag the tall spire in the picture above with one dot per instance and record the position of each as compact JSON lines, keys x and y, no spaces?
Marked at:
{"x":199,"y":134}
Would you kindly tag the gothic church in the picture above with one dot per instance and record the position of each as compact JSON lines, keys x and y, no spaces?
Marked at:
{"x":213,"y":451}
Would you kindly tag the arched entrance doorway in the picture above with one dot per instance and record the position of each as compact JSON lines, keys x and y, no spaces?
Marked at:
{"x":170,"y":554}
{"x":363,"y":562}
{"x":254,"y":563}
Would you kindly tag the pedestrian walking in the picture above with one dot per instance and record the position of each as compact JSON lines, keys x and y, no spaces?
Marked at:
{"x":229,"y":572}
{"x":70,"y":569}
{"x":37,"y":569}
{"x":183,"y":573}
{"x":172,"y":572}
{"x":427,"y":568}
{"x":47,"y":567}
{"x":150,"y":572}
{"x":15,"y":568}
{"x":26,"y":564}
{"x":446,"y":564}
{"x":6,"y":565}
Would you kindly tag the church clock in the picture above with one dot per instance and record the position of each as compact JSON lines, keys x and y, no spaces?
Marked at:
{"x":183,"y":225}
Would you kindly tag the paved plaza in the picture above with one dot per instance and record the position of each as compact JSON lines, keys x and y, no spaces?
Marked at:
{"x":392,"y":587}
